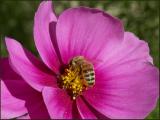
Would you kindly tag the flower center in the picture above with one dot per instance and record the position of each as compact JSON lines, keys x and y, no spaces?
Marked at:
{"x":77,"y":76}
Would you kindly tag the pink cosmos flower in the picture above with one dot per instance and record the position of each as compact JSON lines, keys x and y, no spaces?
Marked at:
{"x":120,"y":82}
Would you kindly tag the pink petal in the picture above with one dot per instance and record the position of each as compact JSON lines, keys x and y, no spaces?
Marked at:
{"x":21,"y":90}
{"x":34,"y":101}
{"x":28,"y":66}
{"x":87,"y":32}
{"x":131,"y":49}
{"x":58,"y":103}
{"x":126,"y":91}
{"x":84,"y":110}
{"x":11,"y":107}
{"x":6,"y":70}
{"x":43,"y":18}
{"x":75,"y":112}
{"x":37,"y":108}
{"x":24,"y":117}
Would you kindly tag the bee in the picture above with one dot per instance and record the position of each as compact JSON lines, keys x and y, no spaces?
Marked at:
{"x":86,"y":70}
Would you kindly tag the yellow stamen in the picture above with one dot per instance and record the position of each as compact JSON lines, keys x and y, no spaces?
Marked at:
{"x":72,"y":81}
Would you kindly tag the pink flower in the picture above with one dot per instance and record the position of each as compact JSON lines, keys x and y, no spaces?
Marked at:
{"x":126,"y":82}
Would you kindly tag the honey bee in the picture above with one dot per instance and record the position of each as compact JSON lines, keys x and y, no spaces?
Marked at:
{"x":86,"y":70}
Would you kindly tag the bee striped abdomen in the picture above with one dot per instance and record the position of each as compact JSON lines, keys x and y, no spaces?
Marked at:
{"x":88,"y":74}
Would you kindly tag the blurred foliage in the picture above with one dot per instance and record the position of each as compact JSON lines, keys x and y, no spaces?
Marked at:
{"x":139,"y":17}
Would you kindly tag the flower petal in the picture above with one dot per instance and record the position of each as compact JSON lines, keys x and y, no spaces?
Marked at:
{"x":131,"y":49}
{"x":128,"y":91}
{"x":58,"y":103}
{"x":6,"y":72}
{"x":84,"y":111}
{"x":34,"y":101}
{"x":26,"y":116}
{"x":43,"y":17}
{"x":21,"y":90}
{"x":11,"y":107}
{"x":87,"y":32}
{"x":28,"y":66}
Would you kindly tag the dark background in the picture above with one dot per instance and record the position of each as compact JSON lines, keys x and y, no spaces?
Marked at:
{"x":139,"y":17}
